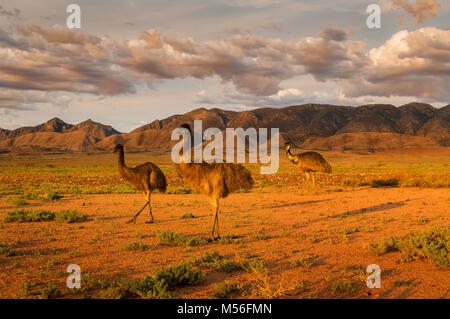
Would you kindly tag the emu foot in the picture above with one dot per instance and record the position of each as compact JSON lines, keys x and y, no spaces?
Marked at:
{"x":215,"y":237}
{"x":132,"y":220}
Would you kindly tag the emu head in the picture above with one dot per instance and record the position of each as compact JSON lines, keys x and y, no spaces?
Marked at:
{"x":287,"y":146}
{"x":118,"y":148}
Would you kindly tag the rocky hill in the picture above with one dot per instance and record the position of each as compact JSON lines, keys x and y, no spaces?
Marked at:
{"x":309,"y":126}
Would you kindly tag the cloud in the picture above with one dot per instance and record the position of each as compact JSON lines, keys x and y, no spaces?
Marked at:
{"x":421,"y":10}
{"x":326,"y":59}
{"x":290,"y":96}
{"x":57,"y":59}
{"x":9,"y":13}
{"x":409,"y":64}
{"x":11,"y":99}
{"x":274,"y":27}
{"x":333,"y":33}
{"x":258,"y":4}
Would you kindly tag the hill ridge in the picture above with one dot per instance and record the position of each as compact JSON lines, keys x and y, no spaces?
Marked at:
{"x":312,"y":126}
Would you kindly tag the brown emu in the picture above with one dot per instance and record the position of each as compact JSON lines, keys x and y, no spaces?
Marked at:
{"x":309,"y":163}
{"x":146,"y":178}
{"x":215,"y":180}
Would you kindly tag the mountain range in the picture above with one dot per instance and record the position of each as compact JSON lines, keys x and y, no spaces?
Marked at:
{"x":309,"y":126}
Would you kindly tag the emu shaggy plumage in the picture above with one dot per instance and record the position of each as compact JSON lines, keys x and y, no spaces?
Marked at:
{"x":215,"y":181}
{"x":146,"y":177}
{"x":309,"y":163}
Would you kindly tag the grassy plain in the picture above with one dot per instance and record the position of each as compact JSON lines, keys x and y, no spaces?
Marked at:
{"x":278,"y":241}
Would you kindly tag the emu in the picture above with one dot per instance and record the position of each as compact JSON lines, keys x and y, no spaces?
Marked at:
{"x":146,"y":177}
{"x":215,"y":181}
{"x":309,"y":163}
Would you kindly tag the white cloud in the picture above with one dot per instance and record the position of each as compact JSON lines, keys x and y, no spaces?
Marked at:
{"x":36,"y":59}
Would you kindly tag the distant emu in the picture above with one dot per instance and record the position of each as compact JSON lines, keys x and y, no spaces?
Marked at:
{"x":146,"y":178}
{"x":309,"y":163}
{"x":215,"y":180}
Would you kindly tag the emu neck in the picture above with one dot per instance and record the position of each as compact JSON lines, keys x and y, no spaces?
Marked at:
{"x":121,"y":160}
{"x":290,"y":156}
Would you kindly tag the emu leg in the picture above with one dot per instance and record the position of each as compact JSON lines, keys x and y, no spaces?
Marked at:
{"x":314,"y":182}
{"x":133,"y":220}
{"x":215,"y":231}
{"x":307,"y":179}
{"x":152,"y":220}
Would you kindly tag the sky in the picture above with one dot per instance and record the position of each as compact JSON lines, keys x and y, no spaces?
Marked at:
{"x":133,"y":62}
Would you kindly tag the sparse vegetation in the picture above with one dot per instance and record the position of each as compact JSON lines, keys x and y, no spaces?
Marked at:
{"x":346,"y":286}
{"x":216,"y":262}
{"x":7,"y":250}
{"x":18,"y":201}
{"x":178,"y":190}
{"x":401,"y":283}
{"x":175,"y":239}
{"x":179,"y":275}
{"x":393,"y":182}
{"x":295,"y":227}
{"x":225,"y":289}
{"x":136,"y":246}
{"x":432,"y":245}
{"x":148,"y":287}
{"x":263,"y":285}
{"x":69,"y":216}
{"x":302,"y":261}
{"x":24,"y":216}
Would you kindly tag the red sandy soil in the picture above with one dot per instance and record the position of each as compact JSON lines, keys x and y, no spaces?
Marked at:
{"x":297,"y":223}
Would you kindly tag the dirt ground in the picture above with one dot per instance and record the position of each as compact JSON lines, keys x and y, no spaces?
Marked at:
{"x":276,"y":225}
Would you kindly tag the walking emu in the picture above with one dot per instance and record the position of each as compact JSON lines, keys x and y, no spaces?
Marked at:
{"x":308,"y":163}
{"x":146,"y":178}
{"x":215,"y":180}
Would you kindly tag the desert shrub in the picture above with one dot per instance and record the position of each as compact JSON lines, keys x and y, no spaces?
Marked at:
{"x":178,"y":190}
{"x":69,"y":216}
{"x":175,"y":239}
{"x":356,"y":272}
{"x":24,"y":216}
{"x":229,"y":239}
{"x":263,"y":285}
{"x":226,"y":266}
{"x":207,"y":259}
{"x":345,"y":286}
{"x":224,"y":289}
{"x":302,"y":261}
{"x":49,"y":291}
{"x":52,"y":196}
{"x":260,"y":235}
{"x":385,"y":246}
{"x":7,"y":250}
{"x":18,"y":201}
{"x":393,"y":182}
{"x":136,"y":246}
{"x":216,"y":262}
{"x":432,"y":245}
{"x":179,"y":275}
{"x":147,"y":288}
